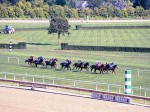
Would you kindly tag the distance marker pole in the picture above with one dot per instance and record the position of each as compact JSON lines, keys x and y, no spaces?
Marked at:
{"x":10,"y":46}
{"x":128,"y":86}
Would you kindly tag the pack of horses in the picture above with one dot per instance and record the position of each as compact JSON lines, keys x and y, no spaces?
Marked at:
{"x":102,"y":68}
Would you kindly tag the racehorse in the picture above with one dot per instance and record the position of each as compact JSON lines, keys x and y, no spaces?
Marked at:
{"x":66,"y":65}
{"x":77,"y":65}
{"x":29,"y":61}
{"x":108,"y":68}
{"x":84,"y":66}
{"x":36,"y":62}
{"x":100,"y":68}
{"x":53,"y":64}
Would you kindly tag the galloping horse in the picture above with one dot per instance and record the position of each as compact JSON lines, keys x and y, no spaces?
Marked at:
{"x":30,"y":62}
{"x":108,"y":68}
{"x":85,"y":66}
{"x":100,"y":68}
{"x":77,"y":65}
{"x":36,"y":62}
{"x":66,"y":65}
{"x":53,"y":64}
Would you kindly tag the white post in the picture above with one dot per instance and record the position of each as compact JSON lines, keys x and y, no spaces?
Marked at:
{"x":5,"y":76}
{"x":127,"y":85}
{"x":43,"y":80}
{"x":18,"y":60}
{"x":138,"y":72}
{"x":74,"y":85}
{"x":53,"y":81}
{"x":96,"y":86}
{"x":32,"y":79}
{"x":14,"y":77}
{"x":8,"y":59}
{"x":10,"y":46}
{"x":145,"y":97}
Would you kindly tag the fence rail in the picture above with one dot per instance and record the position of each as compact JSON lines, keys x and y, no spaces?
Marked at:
{"x":34,"y":85}
{"x":74,"y":83}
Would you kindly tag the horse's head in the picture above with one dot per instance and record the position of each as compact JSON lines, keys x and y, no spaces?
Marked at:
{"x":115,"y":66}
{"x":70,"y":62}
{"x":87,"y":64}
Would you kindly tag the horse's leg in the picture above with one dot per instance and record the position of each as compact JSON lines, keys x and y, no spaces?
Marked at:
{"x":113,"y":71}
{"x":73,"y":67}
{"x":87,"y":69}
{"x":91,"y":69}
{"x":95,"y":70}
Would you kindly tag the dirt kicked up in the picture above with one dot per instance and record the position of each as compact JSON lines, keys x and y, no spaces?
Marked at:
{"x":18,"y":100}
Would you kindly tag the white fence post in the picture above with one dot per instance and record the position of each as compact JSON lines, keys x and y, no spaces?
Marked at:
{"x":32,"y":79}
{"x":43,"y":80}
{"x":14,"y":77}
{"x":119,"y":90}
{"x":96,"y":86}
{"x":74,"y":85}
{"x":145,"y":96}
{"x":18,"y":60}
{"x":8,"y":59}
{"x":53,"y":81}
{"x":5,"y":76}
{"x":138,"y":72}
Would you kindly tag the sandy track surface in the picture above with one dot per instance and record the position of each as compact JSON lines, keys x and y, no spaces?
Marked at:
{"x":17,"y":100}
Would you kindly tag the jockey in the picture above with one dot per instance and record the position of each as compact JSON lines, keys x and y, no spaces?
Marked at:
{"x":40,"y":59}
{"x":51,"y":60}
{"x":97,"y":64}
{"x":79,"y":62}
{"x":67,"y":61}
{"x":111,"y":65}
{"x":55,"y":60}
{"x":31,"y":58}
{"x":84,"y":62}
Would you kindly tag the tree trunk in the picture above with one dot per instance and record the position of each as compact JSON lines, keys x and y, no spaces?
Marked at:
{"x":58,"y":38}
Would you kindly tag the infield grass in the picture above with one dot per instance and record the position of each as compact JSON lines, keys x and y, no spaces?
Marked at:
{"x":111,"y":37}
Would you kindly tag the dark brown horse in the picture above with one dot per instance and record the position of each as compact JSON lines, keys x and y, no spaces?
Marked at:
{"x":100,"y":68}
{"x":66,"y":65}
{"x":29,"y":61}
{"x":36,"y":62}
{"x":52,"y":64}
{"x":108,"y":68}
{"x":85,"y":66}
{"x":77,"y":65}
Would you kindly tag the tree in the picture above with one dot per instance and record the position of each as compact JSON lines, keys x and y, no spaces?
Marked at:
{"x":58,"y":25}
{"x":144,"y":3}
{"x":95,"y":3}
{"x":61,"y":2}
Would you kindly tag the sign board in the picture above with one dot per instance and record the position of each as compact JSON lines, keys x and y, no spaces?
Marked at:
{"x":111,"y":98}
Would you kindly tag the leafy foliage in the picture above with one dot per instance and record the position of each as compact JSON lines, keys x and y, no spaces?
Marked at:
{"x":64,"y":8}
{"x":58,"y":25}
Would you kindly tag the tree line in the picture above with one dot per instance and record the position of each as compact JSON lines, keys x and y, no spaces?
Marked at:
{"x":97,"y":9}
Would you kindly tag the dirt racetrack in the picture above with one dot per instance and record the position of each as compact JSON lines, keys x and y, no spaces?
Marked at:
{"x":18,"y":100}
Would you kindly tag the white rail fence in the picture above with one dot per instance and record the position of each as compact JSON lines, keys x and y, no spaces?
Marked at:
{"x":139,"y":91}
